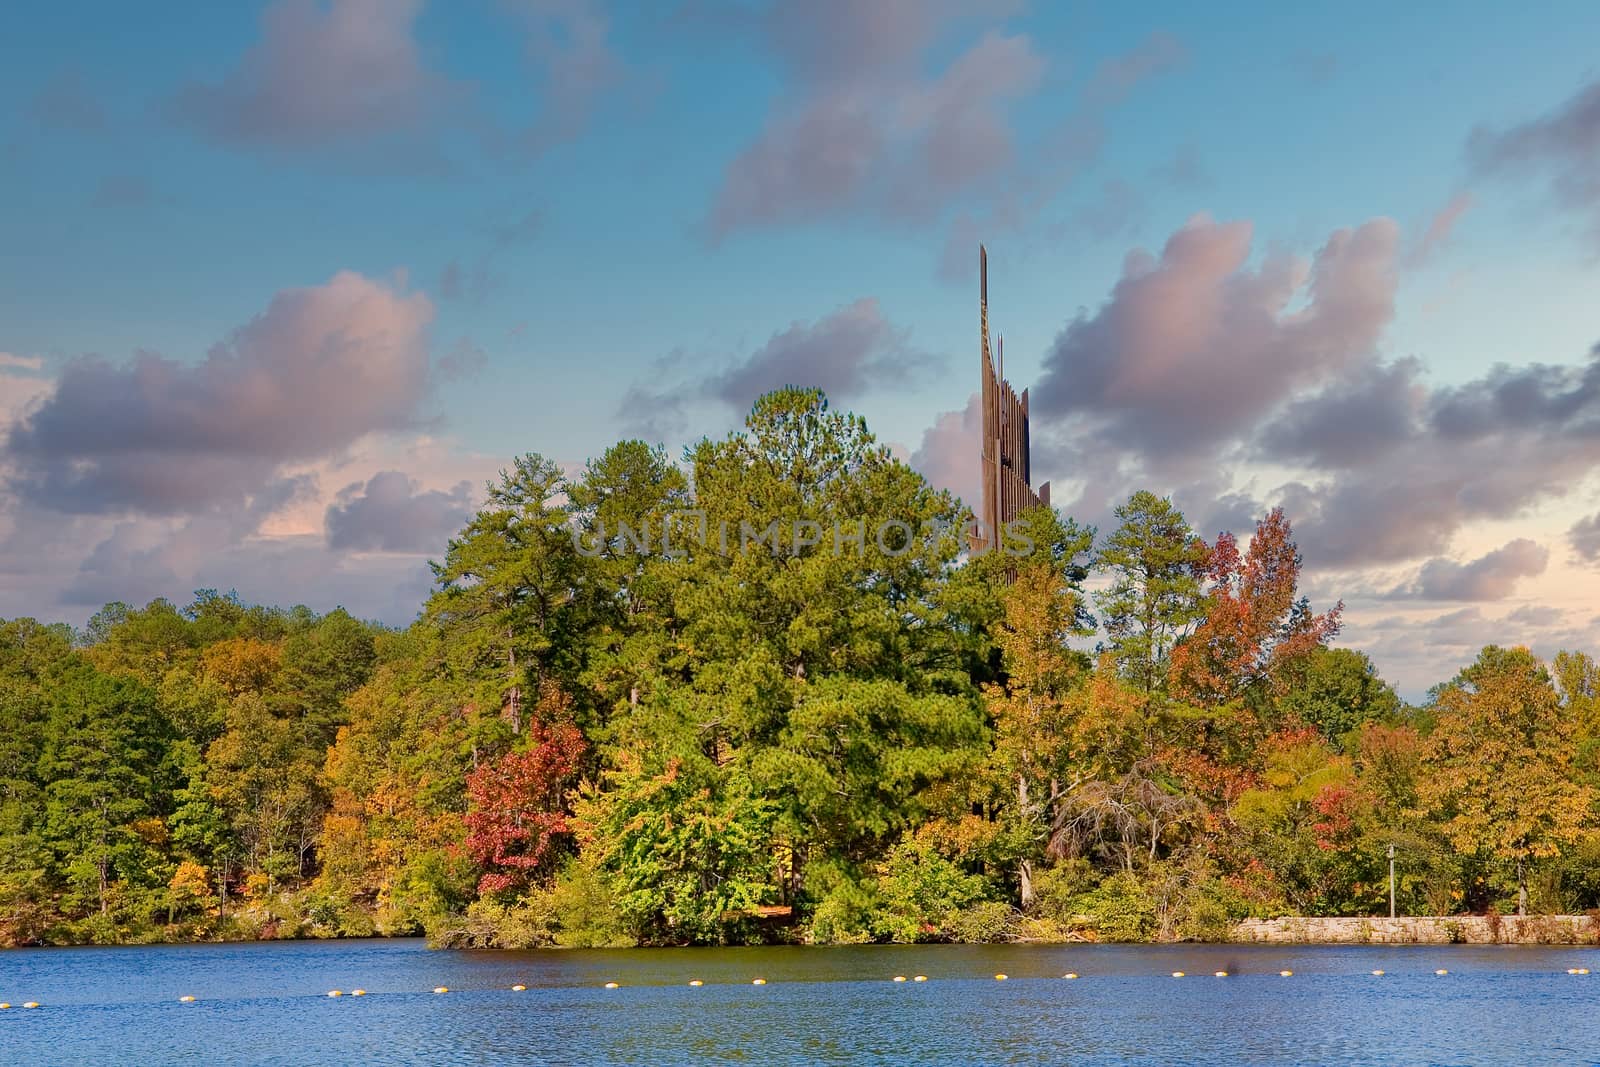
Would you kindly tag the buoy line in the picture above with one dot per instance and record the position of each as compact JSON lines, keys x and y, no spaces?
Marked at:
{"x":519,"y":987}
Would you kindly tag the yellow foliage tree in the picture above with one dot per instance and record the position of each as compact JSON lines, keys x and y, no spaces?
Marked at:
{"x":1503,"y":783}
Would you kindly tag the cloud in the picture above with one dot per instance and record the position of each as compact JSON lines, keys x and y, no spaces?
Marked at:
{"x":1193,"y":347}
{"x":518,"y":231}
{"x":843,"y":354}
{"x":1490,"y":577}
{"x":1418,"y":649}
{"x":1238,"y":384}
{"x":457,"y":282}
{"x":139,"y":559}
{"x":349,"y":79}
{"x":1562,"y":148}
{"x":462,"y":360}
{"x":321,"y":75}
{"x":391,"y":513}
{"x":948,"y":453}
{"x":860,"y":127}
{"x":15,"y":362}
{"x":1185,"y":170}
{"x":1352,"y":421}
{"x":1584,"y":537}
{"x":1440,"y":228}
{"x":1403,"y":467}
{"x":1011,"y":210}
{"x":478,"y":279}
{"x":846,"y":355}
{"x":1115,"y":212}
{"x":273,"y":548}
{"x":1017,"y":198}
{"x":568,"y":46}
{"x":321,"y":367}
{"x":1116,"y":77}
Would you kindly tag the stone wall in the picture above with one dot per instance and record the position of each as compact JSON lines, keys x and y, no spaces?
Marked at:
{"x":1424,"y":929}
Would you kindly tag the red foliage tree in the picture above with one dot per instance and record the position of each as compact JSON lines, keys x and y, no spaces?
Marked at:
{"x":517,"y":808}
{"x":1254,"y":623}
{"x":1336,"y":807}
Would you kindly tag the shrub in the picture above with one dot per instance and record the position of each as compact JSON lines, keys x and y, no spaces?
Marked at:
{"x":920,"y":890}
{"x":845,"y":915}
{"x":1119,"y":909}
{"x":982,"y":923}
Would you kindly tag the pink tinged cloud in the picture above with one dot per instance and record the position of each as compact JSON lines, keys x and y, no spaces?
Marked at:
{"x":861,"y":128}
{"x":314,"y":372}
{"x":1440,"y":228}
{"x":1493,"y":576}
{"x":948,"y":453}
{"x":1195,"y":346}
{"x":1115,"y":78}
{"x":390,"y":512}
{"x":321,"y":74}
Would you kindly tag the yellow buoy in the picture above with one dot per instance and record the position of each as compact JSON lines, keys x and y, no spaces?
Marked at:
{"x":358,"y":992}
{"x":696,"y":983}
{"x":518,"y":988}
{"x":186,"y":1000}
{"x":1070,"y":974}
{"x":1441,"y":970}
{"x":611,"y":985}
{"x":4,"y":1007}
{"x":1377,"y":974}
{"x":1285,"y":974}
{"x":1000,"y":977}
{"x":335,"y":992}
{"x":1583,"y":970}
{"x":759,"y":981}
{"x":1221,"y":974}
{"x":441,"y":989}
{"x":31,"y":1004}
{"x":1177,"y":974}
{"x":920,"y":978}
{"x":899,"y":978}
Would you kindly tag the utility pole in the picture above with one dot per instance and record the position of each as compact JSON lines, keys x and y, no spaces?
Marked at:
{"x":1391,"y":881}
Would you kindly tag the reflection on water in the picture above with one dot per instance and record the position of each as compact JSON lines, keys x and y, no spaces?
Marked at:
{"x":268,"y":1004}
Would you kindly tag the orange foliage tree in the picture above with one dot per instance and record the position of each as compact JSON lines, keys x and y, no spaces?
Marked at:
{"x":1255,"y":624}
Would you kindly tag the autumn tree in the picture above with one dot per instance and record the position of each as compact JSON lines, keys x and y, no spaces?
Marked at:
{"x":1255,"y":625}
{"x":1033,"y":725}
{"x":517,"y":803}
{"x":1500,"y":758}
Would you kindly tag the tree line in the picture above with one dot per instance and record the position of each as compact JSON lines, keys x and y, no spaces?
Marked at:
{"x":1143,"y":734}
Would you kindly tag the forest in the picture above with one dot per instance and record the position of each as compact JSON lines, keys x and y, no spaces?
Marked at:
{"x":1131,"y":734}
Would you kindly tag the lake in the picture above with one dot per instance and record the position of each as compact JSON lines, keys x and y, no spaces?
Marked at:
{"x":267,"y":1003}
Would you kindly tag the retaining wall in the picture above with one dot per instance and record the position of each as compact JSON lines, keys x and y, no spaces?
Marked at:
{"x":1424,"y":930}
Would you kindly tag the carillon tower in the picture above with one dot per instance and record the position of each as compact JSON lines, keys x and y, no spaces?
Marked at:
{"x":1007,"y":476}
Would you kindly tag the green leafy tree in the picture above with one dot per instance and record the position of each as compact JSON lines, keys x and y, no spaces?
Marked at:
{"x":511,"y":597}
{"x":104,"y":748}
{"x":1155,"y":563}
{"x":1336,"y":690}
{"x":689,"y":853}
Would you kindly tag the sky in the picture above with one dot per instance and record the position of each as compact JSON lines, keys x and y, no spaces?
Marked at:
{"x":282,"y":285}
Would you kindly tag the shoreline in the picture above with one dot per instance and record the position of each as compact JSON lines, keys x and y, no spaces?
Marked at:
{"x":1547,"y":930}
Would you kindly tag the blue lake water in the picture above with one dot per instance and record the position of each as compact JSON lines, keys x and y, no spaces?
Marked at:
{"x":267,"y":1003}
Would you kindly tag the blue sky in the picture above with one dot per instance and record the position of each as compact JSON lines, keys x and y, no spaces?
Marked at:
{"x":621,"y":215}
